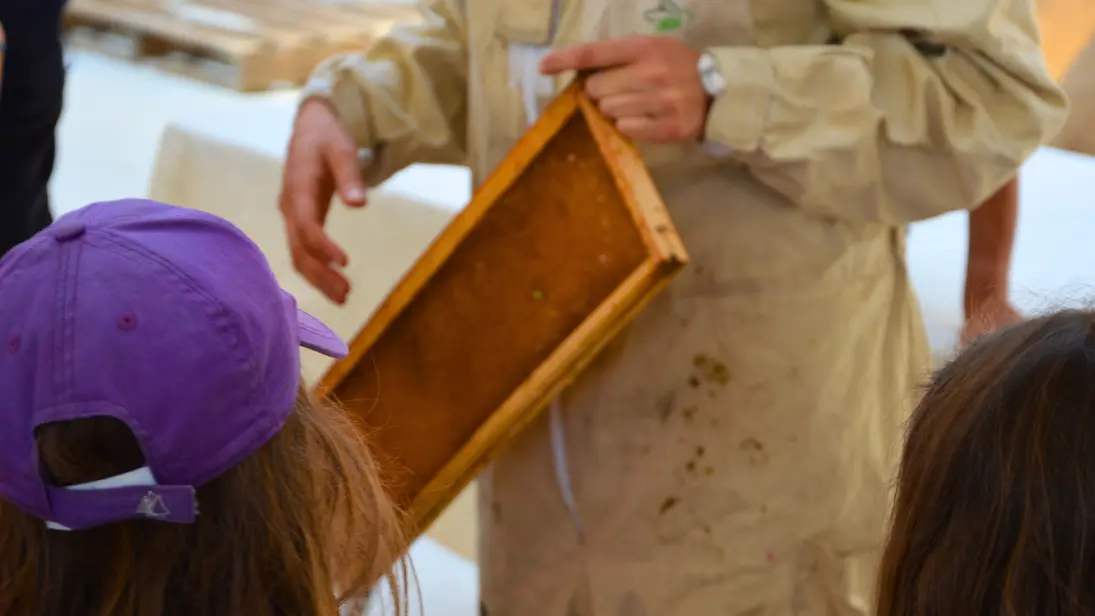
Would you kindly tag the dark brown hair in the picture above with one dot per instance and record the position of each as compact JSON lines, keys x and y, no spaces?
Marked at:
{"x":996,"y":492}
{"x":302,"y":520}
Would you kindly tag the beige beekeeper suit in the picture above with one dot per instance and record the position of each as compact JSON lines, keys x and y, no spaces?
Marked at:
{"x":730,"y":455}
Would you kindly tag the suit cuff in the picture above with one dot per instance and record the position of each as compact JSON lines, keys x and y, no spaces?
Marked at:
{"x":738,"y":116}
{"x":332,"y":81}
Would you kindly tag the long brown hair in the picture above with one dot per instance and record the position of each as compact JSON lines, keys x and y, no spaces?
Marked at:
{"x":996,"y":492}
{"x":298,"y":528}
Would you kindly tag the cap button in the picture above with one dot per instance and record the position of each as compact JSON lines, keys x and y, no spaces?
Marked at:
{"x":68,"y":230}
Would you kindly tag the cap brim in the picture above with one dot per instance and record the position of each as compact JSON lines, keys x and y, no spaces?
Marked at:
{"x":316,"y":336}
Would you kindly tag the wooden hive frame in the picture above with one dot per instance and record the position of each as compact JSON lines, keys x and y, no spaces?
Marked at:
{"x":500,"y":313}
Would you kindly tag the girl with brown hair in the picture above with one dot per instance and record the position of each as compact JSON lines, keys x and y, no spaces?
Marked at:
{"x":158,"y":455}
{"x":996,"y":492}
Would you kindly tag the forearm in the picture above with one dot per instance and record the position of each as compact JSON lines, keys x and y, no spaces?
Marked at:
{"x":991,"y":239}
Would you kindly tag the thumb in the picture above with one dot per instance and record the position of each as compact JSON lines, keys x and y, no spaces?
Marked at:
{"x":345,"y":168}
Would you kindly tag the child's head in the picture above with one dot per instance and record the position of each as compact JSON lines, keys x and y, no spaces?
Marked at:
{"x":996,"y":493}
{"x":158,"y":455}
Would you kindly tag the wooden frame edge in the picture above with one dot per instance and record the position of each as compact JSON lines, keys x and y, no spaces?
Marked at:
{"x":531,"y":396}
{"x":632,"y":180}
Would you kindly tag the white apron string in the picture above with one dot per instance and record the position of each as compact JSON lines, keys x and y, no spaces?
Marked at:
{"x":524,"y":74}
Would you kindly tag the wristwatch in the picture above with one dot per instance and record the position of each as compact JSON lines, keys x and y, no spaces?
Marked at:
{"x":714,"y":84}
{"x":711,"y":74}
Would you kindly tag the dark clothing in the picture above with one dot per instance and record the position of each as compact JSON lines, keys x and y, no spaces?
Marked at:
{"x":31,"y":97}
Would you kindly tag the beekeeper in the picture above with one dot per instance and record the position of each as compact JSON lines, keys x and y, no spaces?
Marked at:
{"x":730,"y":454}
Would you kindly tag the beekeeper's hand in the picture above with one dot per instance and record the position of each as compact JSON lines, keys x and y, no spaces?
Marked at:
{"x":650,"y":85}
{"x":322,"y":161}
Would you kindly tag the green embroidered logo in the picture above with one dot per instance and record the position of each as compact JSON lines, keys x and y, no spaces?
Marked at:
{"x":668,"y":16}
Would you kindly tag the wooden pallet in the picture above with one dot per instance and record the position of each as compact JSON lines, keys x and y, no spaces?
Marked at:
{"x":246,"y":45}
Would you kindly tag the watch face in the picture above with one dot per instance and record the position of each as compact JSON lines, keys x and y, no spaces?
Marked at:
{"x":716,"y":83}
{"x":707,"y":63}
{"x":710,"y":76}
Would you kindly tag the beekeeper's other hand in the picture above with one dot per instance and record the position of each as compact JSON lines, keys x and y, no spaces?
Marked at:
{"x":322,"y":161}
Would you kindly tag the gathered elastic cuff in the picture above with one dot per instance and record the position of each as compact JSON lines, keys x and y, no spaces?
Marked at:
{"x":739,"y":116}
{"x":332,"y":82}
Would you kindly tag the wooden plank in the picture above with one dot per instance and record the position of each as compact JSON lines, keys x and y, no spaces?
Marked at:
{"x":338,"y":30}
{"x":247,"y":45}
{"x":300,"y":47}
{"x":558,"y":250}
{"x":367,"y":12}
{"x":178,"y":45}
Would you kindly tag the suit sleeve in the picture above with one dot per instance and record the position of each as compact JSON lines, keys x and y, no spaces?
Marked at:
{"x":405,"y":97}
{"x":920,"y":110}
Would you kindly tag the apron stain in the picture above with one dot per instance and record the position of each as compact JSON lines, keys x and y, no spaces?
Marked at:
{"x":664,"y":404}
{"x":668,"y":504}
{"x":689,"y":413}
{"x":755,"y":450}
{"x":692,"y":466}
{"x":483,"y":609}
{"x":712,"y":371}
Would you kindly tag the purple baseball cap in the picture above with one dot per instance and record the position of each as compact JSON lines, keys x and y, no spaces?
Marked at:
{"x":165,"y":318}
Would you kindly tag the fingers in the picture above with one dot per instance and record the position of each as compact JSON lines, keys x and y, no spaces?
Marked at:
{"x":620,"y":106}
{"x":318,"y":273}
{"x":315,"y":255}
{"x":646,"y":77}
{"x":306,"y":198}
{"x":653,"y":116}
{"x":652,"y":129}
{"x":315,"y":165}
{"x":342,"y":161}
{"x":597,"y":55}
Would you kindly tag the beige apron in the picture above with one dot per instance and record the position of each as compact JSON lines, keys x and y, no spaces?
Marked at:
{"x":731,"y":453}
